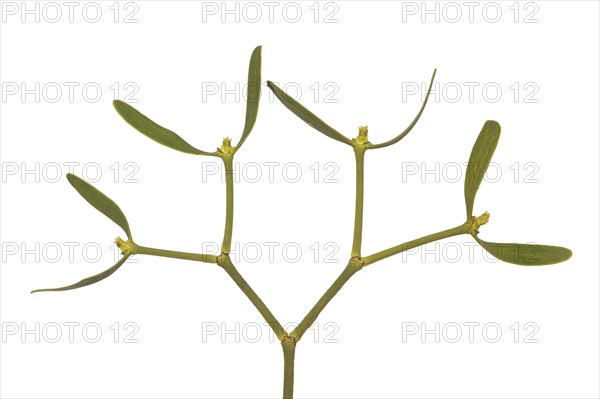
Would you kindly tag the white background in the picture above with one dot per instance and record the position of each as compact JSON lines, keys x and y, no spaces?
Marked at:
{"x":370,"y":55}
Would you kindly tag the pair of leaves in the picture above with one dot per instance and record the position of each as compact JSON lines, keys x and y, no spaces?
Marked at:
{"x":519,"y":254}
{"x":108,"y":208}
{"x":316,"y":123}
{"x":170,"y":139}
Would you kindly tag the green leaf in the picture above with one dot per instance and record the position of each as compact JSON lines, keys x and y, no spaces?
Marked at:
{"x":90,"y":280}
{"x":100,"y":201}
{"x":307,"y":116}
{"x":481,"y":155}
{"x":526,"y":254}
{"x":154,"y":131}
{"x":412,"y":124}
{"x":253,"y":96}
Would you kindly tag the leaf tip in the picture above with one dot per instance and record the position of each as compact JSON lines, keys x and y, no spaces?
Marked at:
{"x":42,"y":290}
{"x":492,"y":125}
{"x":117,"y":104}
{"x":72,"y":179}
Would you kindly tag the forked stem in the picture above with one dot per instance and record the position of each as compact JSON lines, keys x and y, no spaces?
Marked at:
{"x":224,"y":260}
{"x":356,"y":264}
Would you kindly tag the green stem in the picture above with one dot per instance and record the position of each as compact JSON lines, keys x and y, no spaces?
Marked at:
{"x":462,"y":229}
{"x":225,"y":262}
{"x":289,"y":350}
{"x":353,"y":266}
{"x":228,"y":163}
{"x":359,"y":152}
{"x":176,"y":255}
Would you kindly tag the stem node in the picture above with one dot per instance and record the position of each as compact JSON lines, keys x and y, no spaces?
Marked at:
{"x":357,"y":262}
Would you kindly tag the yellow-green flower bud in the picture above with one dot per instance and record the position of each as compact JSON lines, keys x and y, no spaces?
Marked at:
{"x":226,"y":148}
{"x":363,"y":135}
{"x":126,"y":246}
{"x":479,"y":221}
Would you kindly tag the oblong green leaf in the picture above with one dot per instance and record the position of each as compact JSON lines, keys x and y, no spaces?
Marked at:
{"x":526,"y":254}
{"x":253,"y":95}
{"x":101,"y":202}
{"x":412,"y":124}
{"x":311,"y":119}
{"x":480,"y":158}
{"x":154,"y":131}
{"x":90,"y":280}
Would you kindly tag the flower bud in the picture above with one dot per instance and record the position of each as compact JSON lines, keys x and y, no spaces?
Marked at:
{"x":126,"y":247}
{"x":226,"y":148}
{"x":363,"y":135}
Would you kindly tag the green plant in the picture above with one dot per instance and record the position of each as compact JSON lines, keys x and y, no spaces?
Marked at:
{"x":483,"y":149}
